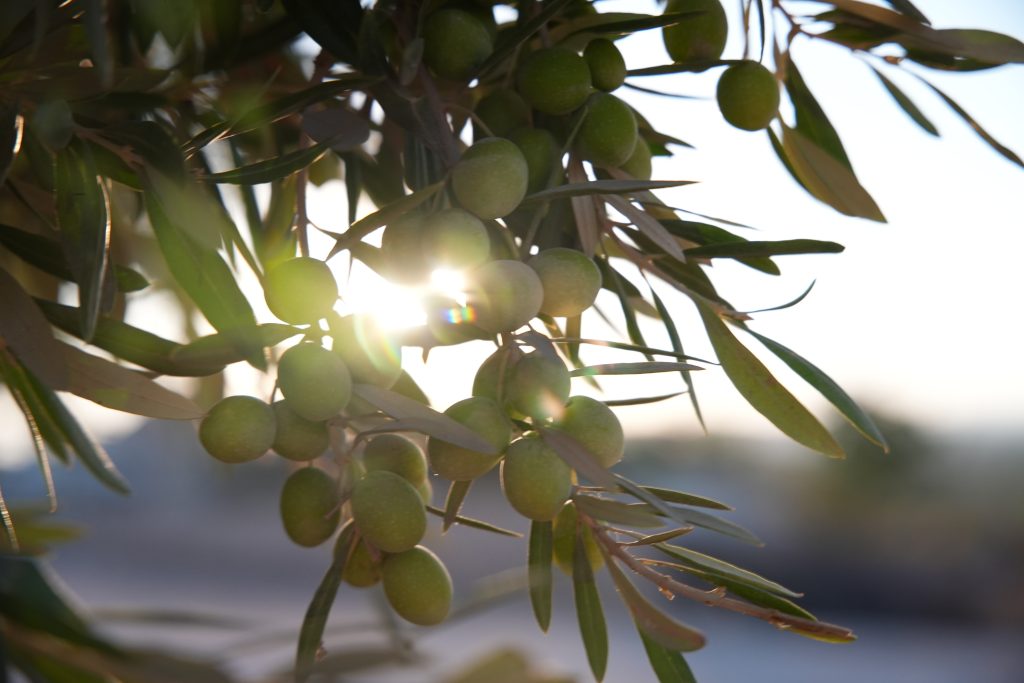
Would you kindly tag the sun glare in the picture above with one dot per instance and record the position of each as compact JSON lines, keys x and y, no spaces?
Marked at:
{"x":396,"y":307}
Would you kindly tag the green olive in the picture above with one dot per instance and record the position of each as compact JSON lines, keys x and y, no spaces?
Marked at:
{"x":485,"y":417}
{"x":502,"y":111}
{"x":504,"y":295}
{"x":490,"y":179}
{"x":595,"y":427}
{"x":697,"y":38}
{"x":570,"y":278}
{"x":607,"y":67}
{"x":370,"y":355}
{"x":401,"y":247}
{"x":564,"y":541}
{"x":748,"y":95}
{"x":300,"y":290}
{"x":455,"y":239}
{"x":608,"y":133}
{"x":238,"y":429}
{"x":315,"y":382}
{"x":535,"y":480}
{"x":638,"y":164}
{"x":360,"y":569}
{"x":554,"y":80}
{"x":540,"y":150}
{"x":297,"y":438}
{"x":388,"y":511}
{"x":397,"y":454}
{"x":418,"y":586}
{"x":309,"y":506}
{"x":455,"y":43}
{"x":539,"y":386}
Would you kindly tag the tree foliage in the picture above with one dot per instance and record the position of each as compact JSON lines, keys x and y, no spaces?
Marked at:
{"x":155,"y":144}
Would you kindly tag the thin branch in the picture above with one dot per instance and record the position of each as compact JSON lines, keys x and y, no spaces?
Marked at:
{"x":716,"y":597}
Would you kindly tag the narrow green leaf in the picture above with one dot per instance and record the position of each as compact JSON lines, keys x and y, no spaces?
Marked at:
{"x":661,"y":536}
{"x":670,"y":496}
{"x":88,"y":451}
{"x":716,"y":566}
{"x":649,"y":226}
{"x":633,"y":368}
{"x":312,"y":630}
{"x":589,"y":613}
{"x":435,"y":424}
{"x":84,"y":221}
{"x":453,"y":502}
{"x":206,"y":278}
{"x":218,"y":350}
{"x":119,"y":388}
{"x":982,"y":133}
{"x":828,"y":179}
{"x":539,"y":568}
{"x":683,"y":67}
{"x":582,"y":189}
{"x":764,"y":393}
{"x":667,"y":665}
{"x":677,"y":346}
{"x":623,"y":23}
{"x":618,"y":284}
{"x":907,"y":104}
{"x":285,"y":106}
{"x":26,"y":331}
{"x":475,"y":523}
{"x":642,"y":400}
{"x":628,"y":347}
{"x":828,"y":388}
{"x":616,"y":512}
{"x":270,"y":169}
{"x":746,"y":248}
{"x":657,"y":625}
{"x":45,"y":432}
{"x":811,"y":120}
{"x":907,"y":7}
{"x":780,"y":152}
{"x":383,"y":216}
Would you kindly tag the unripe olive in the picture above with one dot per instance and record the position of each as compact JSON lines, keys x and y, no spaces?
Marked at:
{"x":638,"y":164}
{"x":608,"y":133}
{"x":494,"y":375}
{"x":504,"y":295}
{"x":564,"y":541}
{"x":388,"y":511}
{"x":540,"y":150}
{"x":539,"y":386}
{"x":554,"y":80}
{"x":485,"y":417}
{"x":426,"y":490}
{"x":397,"y":454}
{"x":360,"y":569}
{"x":570,"y":278}
{"x":502,"y":111}
{"x":607,"y":67}
{"x":700,"y":37}
{"x":595,"y":427}
{"x":401,"y":247}
{"x":535,"y":480}
{"x":370,"y":355}
{"x":455,"y":238}
{"x":418,"y":586}
{"x":455,"y":43}
{"x":297,"y":438}
{"x":300,"y":290}
{"x":314,"y":381}
{"x":238,"y":429}
{"x":490,"y":178}
{"x":748,"y":95}
{"x":309,"y":506}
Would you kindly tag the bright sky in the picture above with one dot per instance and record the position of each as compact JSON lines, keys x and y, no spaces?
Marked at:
{"x":915,"y":318}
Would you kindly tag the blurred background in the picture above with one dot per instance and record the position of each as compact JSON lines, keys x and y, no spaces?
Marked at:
{"x":920,"y":551}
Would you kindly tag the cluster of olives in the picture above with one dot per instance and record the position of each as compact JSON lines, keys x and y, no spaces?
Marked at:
{"x":747,"y":94}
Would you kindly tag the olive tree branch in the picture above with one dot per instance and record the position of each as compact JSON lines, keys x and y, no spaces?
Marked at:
{"x":717,"y":597}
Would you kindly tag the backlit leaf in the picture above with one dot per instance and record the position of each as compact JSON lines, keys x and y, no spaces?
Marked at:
{"x":26,"y":331}
{"x":906,"y":104}
{"x":658,"y":626}
{"x":811,"y":120}
{"x":716,"y":566}
{"x":753,"y":380}
{"x":632,"y":368}
{"x":475,"y":523}
{"x":589,"y":613}
{"x":312,"y":630}
{"x":667,"y":665}
{"x":272,"y":169}
{"x":590,"y":187}
{"x":453,"y":502}
{"x":539,"y":568}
